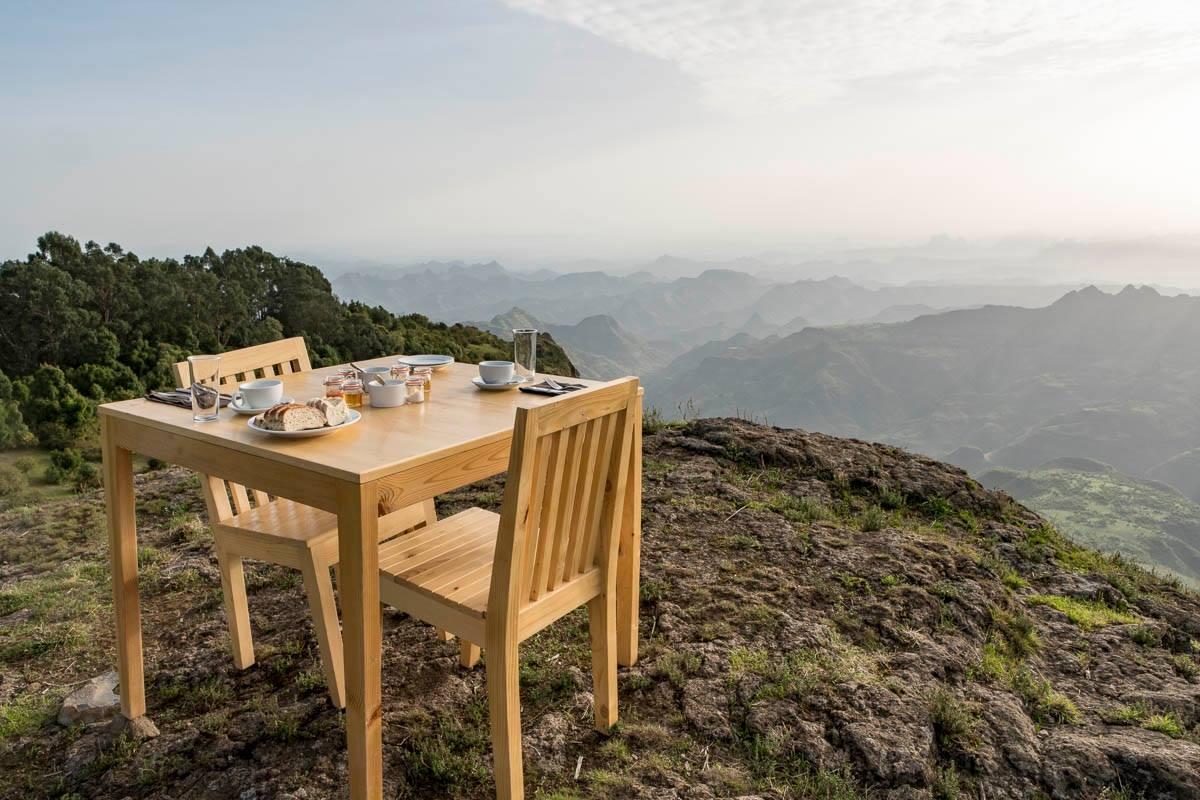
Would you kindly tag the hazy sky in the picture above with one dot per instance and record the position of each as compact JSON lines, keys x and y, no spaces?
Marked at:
{"x":573,"y":128}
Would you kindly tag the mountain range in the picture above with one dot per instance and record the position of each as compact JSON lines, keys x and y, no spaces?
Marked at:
{"x":716,"y":302}
{"x":1000,"y":380}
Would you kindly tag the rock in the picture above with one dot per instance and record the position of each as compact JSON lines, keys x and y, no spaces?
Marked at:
{"x":704,"y":707}
{"x":95,"y":701}
{"x":139,"y":729}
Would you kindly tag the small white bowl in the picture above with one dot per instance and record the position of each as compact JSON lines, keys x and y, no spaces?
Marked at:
{"x":388,"y":394}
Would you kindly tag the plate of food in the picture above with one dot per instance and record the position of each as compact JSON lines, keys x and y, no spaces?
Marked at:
{"x":317,"y":417}
{"x":435,"y":362}
{"x":245,"y":410}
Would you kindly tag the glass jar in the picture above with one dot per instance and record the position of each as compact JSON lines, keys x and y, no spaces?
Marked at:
{"x":414,"y":390}
{"x":352,"y":392}
{"x":425,"y":374}
{"x":333,"y":386}
{"x":400,"y":372}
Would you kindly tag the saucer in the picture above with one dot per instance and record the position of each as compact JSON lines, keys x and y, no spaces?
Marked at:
{"x":241,"y":409}
{"x":516,"y":381}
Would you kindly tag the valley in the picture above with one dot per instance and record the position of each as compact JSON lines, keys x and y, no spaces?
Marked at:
{"x":1001,"y":380}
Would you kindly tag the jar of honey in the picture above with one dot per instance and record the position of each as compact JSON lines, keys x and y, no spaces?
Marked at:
{"x":352,"y":392}
{"x":425,"y":374}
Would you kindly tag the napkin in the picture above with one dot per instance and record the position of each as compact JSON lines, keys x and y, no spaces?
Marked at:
{"x":544,"y":388}
{"x":181,"y":398}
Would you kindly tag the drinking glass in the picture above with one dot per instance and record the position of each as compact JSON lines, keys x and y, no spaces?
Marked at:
{"x":525,"y":352}
{"x":206,"y":387}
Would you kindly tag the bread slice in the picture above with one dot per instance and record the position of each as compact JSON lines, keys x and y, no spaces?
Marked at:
{"x":291,"y":417}
{"x":332,"y":408}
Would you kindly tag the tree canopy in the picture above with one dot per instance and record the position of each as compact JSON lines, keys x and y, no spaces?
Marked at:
{"x":85,"y":324}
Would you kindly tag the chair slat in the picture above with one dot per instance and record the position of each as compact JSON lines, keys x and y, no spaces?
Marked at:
{"x":599,"y":489}
{"x":241,"y":501}
{"x":548,"y":518}
{"x":583,"y":494}
{"x":566,"y":508}
{"x":534,"y":521}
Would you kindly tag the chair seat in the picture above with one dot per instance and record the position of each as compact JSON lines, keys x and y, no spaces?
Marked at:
{"x":283,"y":521}
{"x":450,"y":561}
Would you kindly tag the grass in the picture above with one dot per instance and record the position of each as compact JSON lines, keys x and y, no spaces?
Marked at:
{"x":1011,"y":639}
{"x":1164,"y":723}
{"x":26,"y":714}
{"x":873,"y":518}
{"x":801,"y":671}
{"x":1185,"y":667}
{"x":62,"y":607}
{"x":1087,"y":614}
{"x":1147,"y":718}
{"x":954,"y":722}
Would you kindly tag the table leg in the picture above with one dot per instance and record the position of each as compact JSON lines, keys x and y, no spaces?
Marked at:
{"x":630,"y":553}
{"x":122,"y":552}
{"x":358,"y":548}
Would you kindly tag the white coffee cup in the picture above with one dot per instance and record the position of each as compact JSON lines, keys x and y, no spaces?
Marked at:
{"x":262,"y":393}
{"x":496,"y":371}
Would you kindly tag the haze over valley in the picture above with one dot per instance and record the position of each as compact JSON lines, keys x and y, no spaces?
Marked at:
{"x":1010,"y":380}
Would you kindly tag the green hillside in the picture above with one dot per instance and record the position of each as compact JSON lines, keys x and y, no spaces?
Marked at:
{"x":85,"y":324}
{"x":1098,"y":506}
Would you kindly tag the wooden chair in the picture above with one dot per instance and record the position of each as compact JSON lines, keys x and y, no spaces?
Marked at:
{"x":250,"y":524}
{"x":497,"y":580}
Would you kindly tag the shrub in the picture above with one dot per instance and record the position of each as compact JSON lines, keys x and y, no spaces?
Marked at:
{"x":67,"y":459}
{"x":25,"y":464}
{"x":86,"y":477}
{"x":12,"y":482}
{"x":873,"y":518}
{"x":954,"y":722}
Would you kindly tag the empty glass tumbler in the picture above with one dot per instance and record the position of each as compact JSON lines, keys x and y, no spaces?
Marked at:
{"x":205,"y":372}
{"x":525,"y":352}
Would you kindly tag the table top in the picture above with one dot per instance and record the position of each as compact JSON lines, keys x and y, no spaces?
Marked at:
{"x":455,"y":417}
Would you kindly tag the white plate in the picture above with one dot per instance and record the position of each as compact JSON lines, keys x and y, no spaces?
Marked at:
{"x":351,"y":418}
{"x":241,"y":409}
{"x":427,"y":360}
{"x":498,"y":387}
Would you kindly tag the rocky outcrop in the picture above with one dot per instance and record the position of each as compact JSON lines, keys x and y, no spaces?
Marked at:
{"x":820,"y":617}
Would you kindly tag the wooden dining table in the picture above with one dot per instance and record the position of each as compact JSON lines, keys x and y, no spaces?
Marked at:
{"x":390,"y":459}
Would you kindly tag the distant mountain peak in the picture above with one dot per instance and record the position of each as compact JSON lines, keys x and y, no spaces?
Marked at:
{"x":1088,"y":293}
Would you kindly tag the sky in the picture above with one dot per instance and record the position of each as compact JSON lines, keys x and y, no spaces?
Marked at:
{"x":543,"y":130}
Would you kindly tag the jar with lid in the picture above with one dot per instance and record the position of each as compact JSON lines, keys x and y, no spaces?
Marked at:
{"x":400,"y":371}
{"x":352,"y":392}
{"x":333,"y":386}
{"x":426,"y":374}
{"x":414,"y":389}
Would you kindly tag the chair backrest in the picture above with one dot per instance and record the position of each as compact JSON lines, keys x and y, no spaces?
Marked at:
{"x":562,"y":503}
{"x":268,"y":360}
{"x":226,"y":498}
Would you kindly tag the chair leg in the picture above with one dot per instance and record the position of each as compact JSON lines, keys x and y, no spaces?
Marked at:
{"x":445,"y":636}
{"x":602,"y":624}
{"x":504,"y":707}
{"x":468,"y":654}
{"x":237,"y":612}
{"x":328,"y":629}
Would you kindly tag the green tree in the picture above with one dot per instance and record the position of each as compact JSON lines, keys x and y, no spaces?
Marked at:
{"x":54,"y":410}
{"x":13,"y":432}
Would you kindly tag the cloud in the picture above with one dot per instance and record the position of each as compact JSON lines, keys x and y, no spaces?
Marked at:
{"x":759,"y":54}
